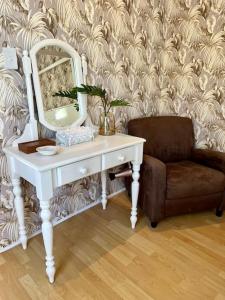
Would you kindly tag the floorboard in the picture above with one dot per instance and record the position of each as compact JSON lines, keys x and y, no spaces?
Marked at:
{"x":98,"y":256}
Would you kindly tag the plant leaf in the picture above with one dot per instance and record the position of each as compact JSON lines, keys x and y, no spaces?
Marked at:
{"x":72,"y":94}
{"x":119,"y":102}
{"x":91,"y":90}
{"x":76,"y":105}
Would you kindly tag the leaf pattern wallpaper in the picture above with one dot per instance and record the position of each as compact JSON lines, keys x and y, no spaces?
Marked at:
{"x":167,"y":57}
{"x":192,"y":67}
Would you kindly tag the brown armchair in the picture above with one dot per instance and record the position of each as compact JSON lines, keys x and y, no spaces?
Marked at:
{"x":175,"y":177}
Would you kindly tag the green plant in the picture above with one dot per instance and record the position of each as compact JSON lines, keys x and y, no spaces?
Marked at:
{"x":72,"y":94}
{"x":93,"y":91}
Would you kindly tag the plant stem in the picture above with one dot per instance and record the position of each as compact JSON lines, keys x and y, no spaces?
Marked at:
{"x":104,"y":104}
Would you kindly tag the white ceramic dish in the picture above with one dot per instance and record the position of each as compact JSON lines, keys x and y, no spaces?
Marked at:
{"x":48,"y":150}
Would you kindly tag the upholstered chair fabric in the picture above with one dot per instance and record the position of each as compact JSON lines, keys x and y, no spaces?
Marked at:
{"x":175,"y":177}
{"x":169,"y":139}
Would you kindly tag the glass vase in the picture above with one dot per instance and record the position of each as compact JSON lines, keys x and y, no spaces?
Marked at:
{"x":107,"y":124}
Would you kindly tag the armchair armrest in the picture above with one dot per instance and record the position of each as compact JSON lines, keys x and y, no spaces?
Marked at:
{"x":156,"y":166}
{"x":153,"y":187}
{"x":210,"y":158}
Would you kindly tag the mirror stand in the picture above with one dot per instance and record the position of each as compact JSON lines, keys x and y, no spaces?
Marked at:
{"x":30,"y":132}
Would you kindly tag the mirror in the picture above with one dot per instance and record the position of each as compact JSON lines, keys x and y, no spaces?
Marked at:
{"x":56,"y":67}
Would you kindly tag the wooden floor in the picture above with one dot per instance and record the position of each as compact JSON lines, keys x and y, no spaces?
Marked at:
{"x":98,"y":256}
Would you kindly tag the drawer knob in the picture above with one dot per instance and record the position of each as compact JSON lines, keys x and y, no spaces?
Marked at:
{"x":83,"y":171}
{"x":121,"y":158}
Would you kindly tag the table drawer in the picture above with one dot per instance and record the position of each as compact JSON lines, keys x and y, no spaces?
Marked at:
{"x":118,"y":157}
{"x":77,"y":170}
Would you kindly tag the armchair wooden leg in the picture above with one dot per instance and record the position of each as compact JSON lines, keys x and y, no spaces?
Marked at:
{"x":219,"y":212}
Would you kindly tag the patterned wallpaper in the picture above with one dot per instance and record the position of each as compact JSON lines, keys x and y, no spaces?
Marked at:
{"x":165,"y":56}
{"x":192,"y":67}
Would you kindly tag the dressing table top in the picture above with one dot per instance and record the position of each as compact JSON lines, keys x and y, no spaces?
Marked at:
{"x":68,"y":155}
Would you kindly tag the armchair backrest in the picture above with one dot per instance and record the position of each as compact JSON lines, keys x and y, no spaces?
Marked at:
{"x":168,"y":138}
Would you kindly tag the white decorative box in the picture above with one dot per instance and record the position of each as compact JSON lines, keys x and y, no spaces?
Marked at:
{"x":75,"y":135}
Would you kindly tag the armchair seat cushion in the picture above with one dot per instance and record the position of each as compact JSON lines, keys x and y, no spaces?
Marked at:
{"x":189,"y":179}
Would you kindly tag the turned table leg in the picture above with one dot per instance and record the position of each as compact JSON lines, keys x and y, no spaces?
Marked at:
{"x":47,"y":232}
{"x":134,"y":193}
{"x":45,"y":193}
{"x":19,"y":206}
{"x":104,"y":196}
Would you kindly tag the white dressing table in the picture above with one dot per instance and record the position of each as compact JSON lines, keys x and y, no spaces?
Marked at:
{"x":53,"y":64}
{"x":72,"y":163}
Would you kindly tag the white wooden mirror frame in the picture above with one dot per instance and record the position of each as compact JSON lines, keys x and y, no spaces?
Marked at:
{"x":31,"y":69}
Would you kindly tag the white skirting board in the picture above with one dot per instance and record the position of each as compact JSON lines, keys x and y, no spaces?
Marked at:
{"x":64,"y":219}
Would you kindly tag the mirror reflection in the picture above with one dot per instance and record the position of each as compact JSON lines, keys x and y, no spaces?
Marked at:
{"x":56,"y":72}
